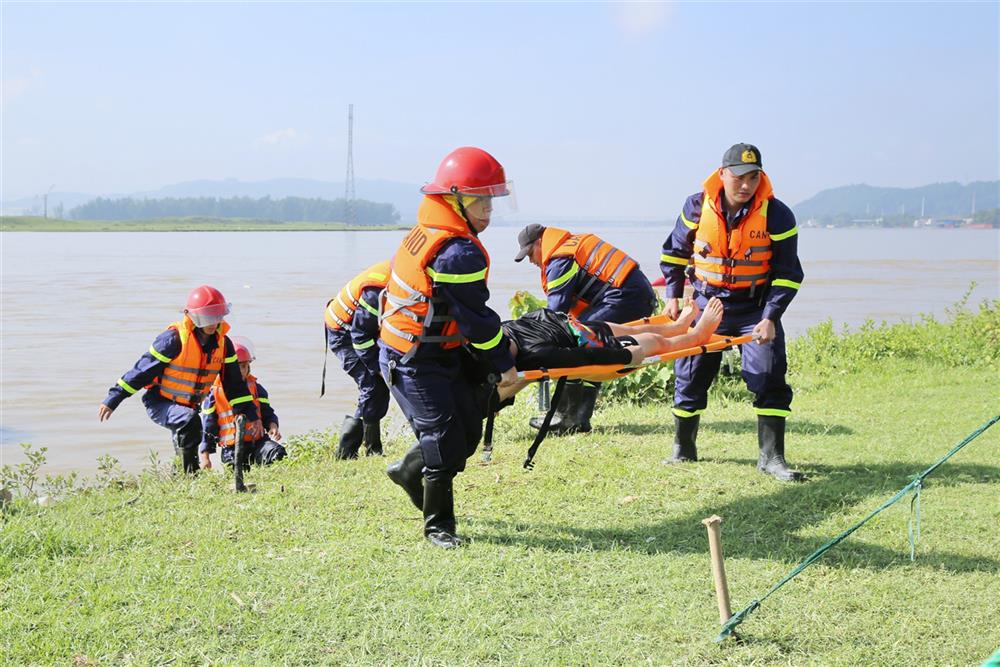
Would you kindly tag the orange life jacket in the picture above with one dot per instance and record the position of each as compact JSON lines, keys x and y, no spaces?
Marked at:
{"x":188,"y":377}
{"x":340,"y":309}
{"x":606,"y":265}
{"x":226,"y":416}
{"x":738,"y":259}
{"x":408,"y":301}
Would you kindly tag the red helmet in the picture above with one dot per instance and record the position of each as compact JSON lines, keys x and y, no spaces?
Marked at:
{"x":244,"y":349}
{"x":206,"y":306}
{"x":469,"y":171}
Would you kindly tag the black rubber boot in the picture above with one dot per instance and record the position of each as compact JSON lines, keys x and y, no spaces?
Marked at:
{"x":771,"y":440}
{"x":439,"y":513}
{"x":351,"y":434}
{"x":373,"y":439}
{"x":408,"y":472}
{"x":685,"y":436}
{"x":573,"y":413}
{"x":186,"y":442}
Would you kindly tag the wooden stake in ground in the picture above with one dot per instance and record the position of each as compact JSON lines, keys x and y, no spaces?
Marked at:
{"x":713,"y":523}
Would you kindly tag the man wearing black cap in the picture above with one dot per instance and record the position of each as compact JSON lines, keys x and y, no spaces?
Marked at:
{"x":592,"y":280}
{"x":735,"y":241}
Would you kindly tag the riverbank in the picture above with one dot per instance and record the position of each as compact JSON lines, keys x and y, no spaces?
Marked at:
{"x":597,"y":556}
{"x":38,"y":224}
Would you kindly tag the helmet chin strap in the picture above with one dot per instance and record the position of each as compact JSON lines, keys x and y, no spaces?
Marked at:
{"x":461,"y":207}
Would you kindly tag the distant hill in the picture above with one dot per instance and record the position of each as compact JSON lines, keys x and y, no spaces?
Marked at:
{"x":404,"y":196}
{"x":865,"y":202}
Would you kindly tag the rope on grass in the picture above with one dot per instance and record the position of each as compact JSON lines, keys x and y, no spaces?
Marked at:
{"x":915,"y":485}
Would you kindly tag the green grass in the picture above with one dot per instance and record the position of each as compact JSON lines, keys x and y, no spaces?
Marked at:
{"x":596,"y":557}
{"x":192,"y":224}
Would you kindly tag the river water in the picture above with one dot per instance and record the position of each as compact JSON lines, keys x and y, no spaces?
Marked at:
{"x":79,"y":308}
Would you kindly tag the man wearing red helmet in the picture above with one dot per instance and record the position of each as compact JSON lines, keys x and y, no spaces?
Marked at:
{"x":179,"y":369}
{"x":219,"y":419}
{"x":434,"y":306}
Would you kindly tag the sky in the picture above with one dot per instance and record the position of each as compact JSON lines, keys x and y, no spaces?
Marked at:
{"x":614,"y":110}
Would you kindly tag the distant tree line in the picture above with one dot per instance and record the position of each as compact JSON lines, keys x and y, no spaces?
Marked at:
{"x":289,"y":209}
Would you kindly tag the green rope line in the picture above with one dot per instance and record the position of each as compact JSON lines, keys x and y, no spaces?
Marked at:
{"x":915,"y":485}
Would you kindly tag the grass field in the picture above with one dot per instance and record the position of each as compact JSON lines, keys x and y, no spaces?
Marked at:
{"x":39,"y":224}
{"x":596,"y":557}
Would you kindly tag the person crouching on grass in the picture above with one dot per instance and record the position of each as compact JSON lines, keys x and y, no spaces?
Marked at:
{"x":219,"y":420}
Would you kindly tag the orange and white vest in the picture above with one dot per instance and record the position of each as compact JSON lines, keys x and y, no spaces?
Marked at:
{"x":606,"y":265}
{"x":188,"y":377}
{"x":408,"y":301}
{"x":340,"y":309}
{"x":226,"y":416}
{"x":738,"y":259}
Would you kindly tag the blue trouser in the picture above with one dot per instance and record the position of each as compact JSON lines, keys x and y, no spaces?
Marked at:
{"x":439,"y":402}
{"x":263,"y":452}
{"x":170,"y":415}
{"x":634,"y":300}
{"x":373,"y":395}
{"x":764,"y":366}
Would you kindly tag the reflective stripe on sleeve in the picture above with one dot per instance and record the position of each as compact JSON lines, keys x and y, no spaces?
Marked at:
{"x":370,"y":309}
{"x":784,"y":235}
{"x":363,"y":346}
{"x":491,"y":343}
{"x":158,"y":356}
{"x":266,"y":401}
{"x":563,"y":278}
{"x":670,"y":259}
{"x":782,"y":282}
{"x":241,"y":399}
{"x":688,"y":223}
{"x":458,"y":278}
{"x":231,"y":359}
{"x":126,"y":386}
{"x":208,"y":411}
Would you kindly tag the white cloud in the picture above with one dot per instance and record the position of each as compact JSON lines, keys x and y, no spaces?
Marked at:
{"x":285,"y":137}
{"x":16,"y":87}
{"x":637,"y":19}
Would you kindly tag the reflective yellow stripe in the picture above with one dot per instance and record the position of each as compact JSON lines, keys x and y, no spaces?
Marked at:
{"x":363,"y":346}
{"x":491,"y":343}
{"x":688,"y":223}
{"x":784,"y":235}
{"x":458,"y":278}
{"x":370,"y":309}
{"x":159,"y":356}
{"x":670,"y":259}
{"x":208,"y":411}
{"x":265,"y":400}
{"x":563,"y":278}
{"x":772,"y":412}
{"x":685,"y":413}
{"x":126,"y":386}
{"x":241,"y":399}
{"x":781,"y":282}
{"x":231,"y":359}
{"x":381,"y":277}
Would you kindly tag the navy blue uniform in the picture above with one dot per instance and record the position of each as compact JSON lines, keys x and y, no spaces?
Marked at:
{"x":163,"y":411}
{"x":262,"y":451}
{"x":634,"y":300}
{"x":764,"y":366}
{"x":432,"y":387}
{"x":358,"y":353}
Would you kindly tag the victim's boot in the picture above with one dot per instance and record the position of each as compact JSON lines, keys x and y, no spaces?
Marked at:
{"x":408,"y":472}
{"x":439,"y":512}
{"x":186,"y":442}
{"x":351,"y":434}
{"x":572,"y":415}
{"x":685,"y":435}
{"x":771,"y":440}
{"x":373,"y":438}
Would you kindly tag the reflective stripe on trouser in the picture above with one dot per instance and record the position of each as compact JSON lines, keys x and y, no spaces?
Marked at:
{"x":373,"y":395}
{"x":764,"y":366}
{"x":440,"y":405}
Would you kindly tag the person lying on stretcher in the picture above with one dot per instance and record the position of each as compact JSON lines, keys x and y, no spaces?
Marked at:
{"x":545,"y":338}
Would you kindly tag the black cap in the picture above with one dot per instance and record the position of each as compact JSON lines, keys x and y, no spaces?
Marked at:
{"x":526,"y":238}
{"x":742,"y":159}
